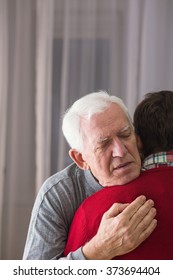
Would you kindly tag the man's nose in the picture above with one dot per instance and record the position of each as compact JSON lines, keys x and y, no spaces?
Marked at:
{"x":119,"y":149}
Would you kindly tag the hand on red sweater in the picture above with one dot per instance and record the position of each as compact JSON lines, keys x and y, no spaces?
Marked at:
{"x":123,"y":228}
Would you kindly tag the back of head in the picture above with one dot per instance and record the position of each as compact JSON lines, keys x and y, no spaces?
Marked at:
{"x":86,"y":107}
{"x":153,"y":121}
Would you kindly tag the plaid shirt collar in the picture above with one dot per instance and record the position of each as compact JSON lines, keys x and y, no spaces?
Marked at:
{"x":157,"y":160}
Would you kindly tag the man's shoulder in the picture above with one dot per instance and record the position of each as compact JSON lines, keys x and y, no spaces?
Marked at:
{"x":64,"y":178}
{"x":62,"y":188}
{"x":68,"y":172}
{"x":71,"y":185}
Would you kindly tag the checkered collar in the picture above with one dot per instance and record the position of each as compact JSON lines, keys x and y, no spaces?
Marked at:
{"x":157,"y":160}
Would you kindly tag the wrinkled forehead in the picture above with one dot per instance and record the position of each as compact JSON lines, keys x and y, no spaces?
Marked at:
{"x":103,"y":124}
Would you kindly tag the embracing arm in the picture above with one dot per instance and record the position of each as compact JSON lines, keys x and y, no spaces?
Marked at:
{"x":47,"y":237}
{"x":122,"y":229}
{"x":51,"y":216}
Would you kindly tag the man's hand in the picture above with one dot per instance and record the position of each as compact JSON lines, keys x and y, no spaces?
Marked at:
{"x":123,"y":228}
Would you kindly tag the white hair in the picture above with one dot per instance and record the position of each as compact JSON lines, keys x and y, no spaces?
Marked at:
{"x":86,"y":107}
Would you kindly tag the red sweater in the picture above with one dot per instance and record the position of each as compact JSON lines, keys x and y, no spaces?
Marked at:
{"x":156,"y":184}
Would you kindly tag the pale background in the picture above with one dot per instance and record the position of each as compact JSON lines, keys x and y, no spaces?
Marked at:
{"x":51,"y":53}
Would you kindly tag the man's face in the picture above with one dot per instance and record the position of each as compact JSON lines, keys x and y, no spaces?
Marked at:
{"x":109,"y":147}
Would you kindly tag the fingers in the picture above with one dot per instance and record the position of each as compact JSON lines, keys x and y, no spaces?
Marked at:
{"x":146,"y":233}
{"x":147,"y":225}
{"x":134,"y":206}
{"x":141,"y":224}
{"x":144,"y":214}
{"x":134,"y":212}
{"x":115,"y":209}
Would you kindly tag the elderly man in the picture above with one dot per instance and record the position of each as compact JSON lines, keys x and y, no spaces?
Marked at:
{"x":153,"y":121}
{"x":103,"y":147}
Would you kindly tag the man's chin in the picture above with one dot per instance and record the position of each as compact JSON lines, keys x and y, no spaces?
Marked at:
{"x":123,"y":179}
{"x":120,"y":177}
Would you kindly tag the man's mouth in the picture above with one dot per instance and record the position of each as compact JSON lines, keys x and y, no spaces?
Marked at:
{"x":122,"y":165}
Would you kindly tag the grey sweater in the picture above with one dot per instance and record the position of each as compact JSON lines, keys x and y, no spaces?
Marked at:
{"x":53,"y":211}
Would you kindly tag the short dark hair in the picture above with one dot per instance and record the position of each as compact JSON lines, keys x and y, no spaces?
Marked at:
{"x":153,"y":122}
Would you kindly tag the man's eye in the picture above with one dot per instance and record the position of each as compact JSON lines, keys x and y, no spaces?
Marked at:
{"x":126,"y":135}
{"x":103,"y":145}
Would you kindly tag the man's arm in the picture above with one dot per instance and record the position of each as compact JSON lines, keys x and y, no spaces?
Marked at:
{"x":122,"y":229}
{"x":48,"y":232}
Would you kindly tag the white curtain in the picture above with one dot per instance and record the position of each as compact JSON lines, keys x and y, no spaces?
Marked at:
{"x":44,"y":42}
{"x":51,"y":53}
{"x":3,"y":99}
{"x":17,"y":146}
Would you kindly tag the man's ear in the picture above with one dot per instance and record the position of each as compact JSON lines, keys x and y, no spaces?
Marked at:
{"x":78,"y":159}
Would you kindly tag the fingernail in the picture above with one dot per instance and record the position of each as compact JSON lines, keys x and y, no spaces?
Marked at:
{"x":151,"y":202}
{"x":143,"y":197}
